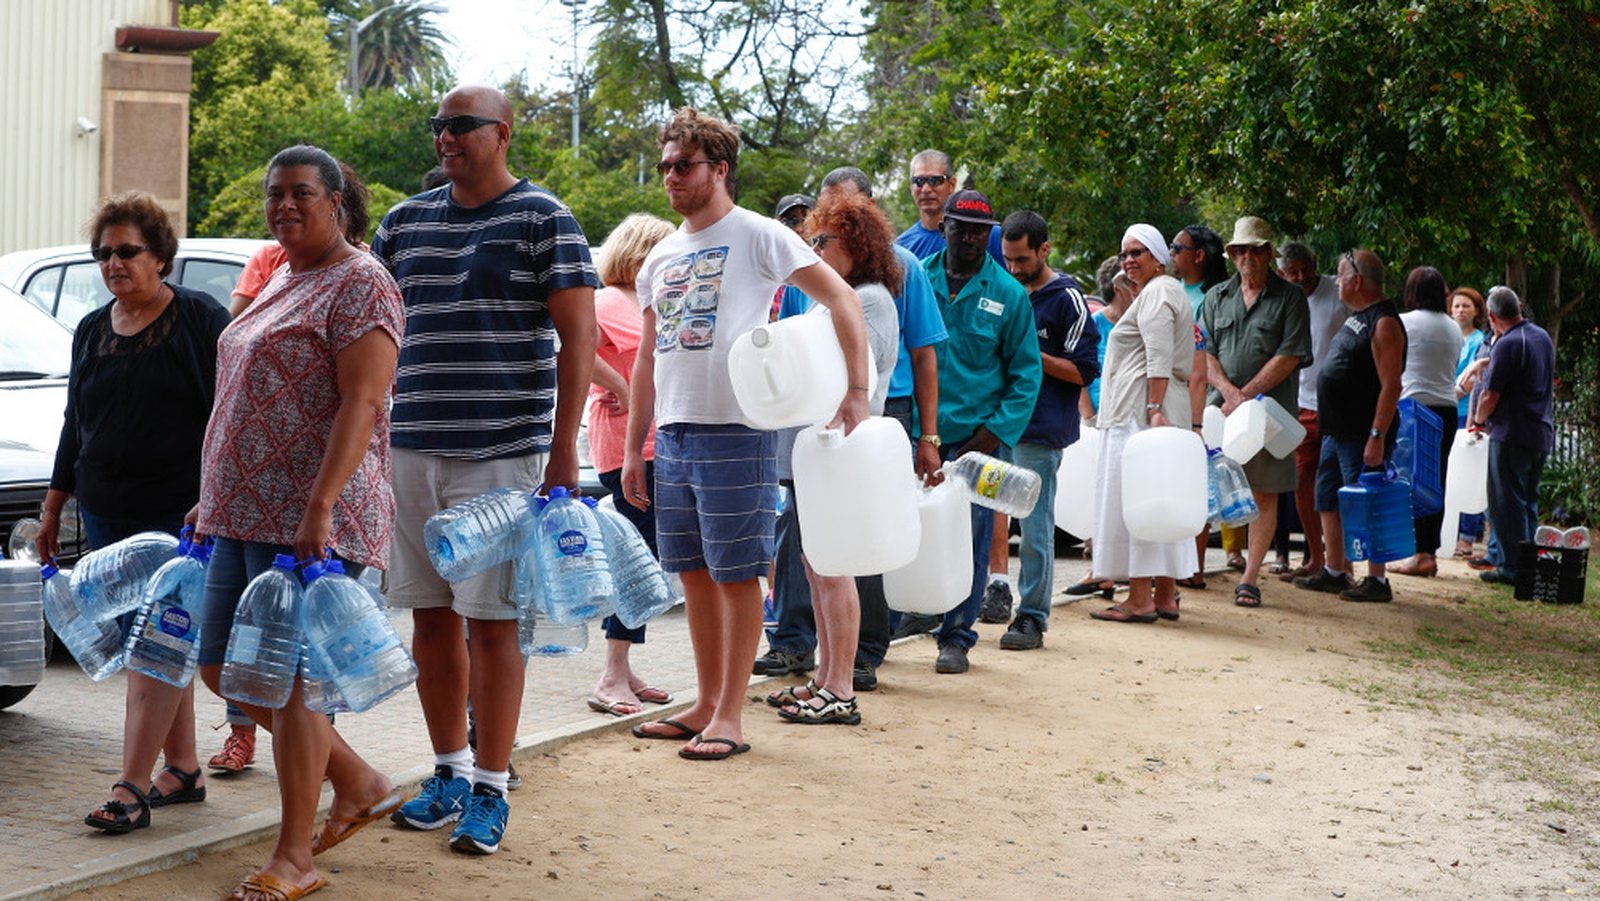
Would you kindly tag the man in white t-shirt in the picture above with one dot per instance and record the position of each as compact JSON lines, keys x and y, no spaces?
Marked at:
{"x":1297,"y":263}
{"x":715,"y":485}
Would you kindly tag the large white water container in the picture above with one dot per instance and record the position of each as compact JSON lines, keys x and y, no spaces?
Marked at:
{"x":857,"y":496}
{"x":1466,"y":484}
{"x":1245,"y":431}
{"x":940,"y":576}
{"x":1075,"y":482}
{"x":1212,"y":423}
{"x":1164,"y":484}
{"x":790,"y":373}
{"x":1284,"y":431}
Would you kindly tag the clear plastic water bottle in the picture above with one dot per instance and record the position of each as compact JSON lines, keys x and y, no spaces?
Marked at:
{"x":996,"y":484}
{"x":642,"y":592}
{"x":350,"y":640}
{"x":165,"y":640}
{"x":317,"y":690}
{"x":265,"y":646}
{"x":471,"y":538}
{"x":1236,"y":504}
{"x":572,"y":561}
{"x":541,"y":638}
{"x":21,"y":624}
{"x":111,"y":581}
{"x":95,"y":644}
{"x":1213,"y":489}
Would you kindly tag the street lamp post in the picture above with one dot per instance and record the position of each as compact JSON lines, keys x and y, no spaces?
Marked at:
{"x":355,"y":29}
{"x":576,"y":5}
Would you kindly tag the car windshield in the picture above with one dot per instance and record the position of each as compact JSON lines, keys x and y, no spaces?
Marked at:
{"x":32,"y":344}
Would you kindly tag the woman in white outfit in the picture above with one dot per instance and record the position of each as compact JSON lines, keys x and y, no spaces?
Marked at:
{"x":1149,"y":361}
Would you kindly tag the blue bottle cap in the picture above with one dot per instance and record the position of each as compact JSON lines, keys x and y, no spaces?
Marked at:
{"x":559,"y":491}
{"x":314,"y":571}
{"x":47,"y":570}
{"x":590,"y":502}
{"x":283,"y":561}
{"x":334,"y":566}
{"x":201,"y":552}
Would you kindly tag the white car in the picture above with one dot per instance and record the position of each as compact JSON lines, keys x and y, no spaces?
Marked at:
{"x":65,"y":281}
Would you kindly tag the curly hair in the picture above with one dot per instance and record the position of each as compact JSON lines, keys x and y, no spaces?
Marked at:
{"x":1480,"y":319}
{"x":620,"y":257}
{"x":694,"y":129}
{"x":144,"y":212}
{"x":865,"y":233}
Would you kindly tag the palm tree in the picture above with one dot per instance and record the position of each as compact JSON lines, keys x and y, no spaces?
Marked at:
{"x":399,"y":46}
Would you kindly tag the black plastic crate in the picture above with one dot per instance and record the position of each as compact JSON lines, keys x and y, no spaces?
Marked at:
{"x":1555,"y":575}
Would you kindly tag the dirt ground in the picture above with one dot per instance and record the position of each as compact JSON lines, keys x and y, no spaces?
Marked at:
{"x":1266,"y":753}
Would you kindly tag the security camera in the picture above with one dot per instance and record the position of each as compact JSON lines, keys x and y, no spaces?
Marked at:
{"x":85,"y":127}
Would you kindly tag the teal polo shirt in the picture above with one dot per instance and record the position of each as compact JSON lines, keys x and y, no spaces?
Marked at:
{"x":989,"y":371}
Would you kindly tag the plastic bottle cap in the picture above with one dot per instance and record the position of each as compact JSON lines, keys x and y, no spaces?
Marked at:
{"x":314,"y":571}
{"x":591,"y":503}
{"x":333,"y":566}
{"x":1261,"y":397}
{"x":47,"y":570}
{"x":559,"y":491}
{"x":760,"y":336}
{"x":283,"y":561}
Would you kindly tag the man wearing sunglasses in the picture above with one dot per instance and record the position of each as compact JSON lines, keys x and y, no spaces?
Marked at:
{"x":989,"y":377}
{"x":492,"y":269}
{"x":716,"y":476}
{"x":933,"y":180}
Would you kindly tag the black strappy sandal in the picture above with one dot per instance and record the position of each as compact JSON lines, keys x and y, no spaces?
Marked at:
{"x":189,"y":793}
{"x":120,"y":823}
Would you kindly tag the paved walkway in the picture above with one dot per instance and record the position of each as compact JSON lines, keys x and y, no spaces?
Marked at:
{"x":60,"y":751}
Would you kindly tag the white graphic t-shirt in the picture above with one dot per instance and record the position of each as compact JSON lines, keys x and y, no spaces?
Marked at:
{"x":708,"y":288}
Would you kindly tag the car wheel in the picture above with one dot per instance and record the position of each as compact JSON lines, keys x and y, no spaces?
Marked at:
{"x":11,"y":694}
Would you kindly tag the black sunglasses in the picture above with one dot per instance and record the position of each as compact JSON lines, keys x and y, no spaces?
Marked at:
{"x":680,"y":166}
{"x":821,"y":241}
{"x":458,"y":125}
{"x":923,"y":181}
{"x":791,"y":220}
{"x":1133,"y":254}
{"x":122,"y":251}
{"x":1180,"y":248}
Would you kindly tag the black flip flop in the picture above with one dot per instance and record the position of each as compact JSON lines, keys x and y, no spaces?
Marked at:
{"x":683,"y":733}
{"x":1246,"y":595}
{"x":733,"y":748}
{"x":1117,"y":613}
{"x":1171,"y":615}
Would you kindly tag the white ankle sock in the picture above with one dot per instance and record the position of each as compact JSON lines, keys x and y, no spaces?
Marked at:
{"x":1000,"y":579}
{"x":495,"y":779}
{"x":459,"y":762}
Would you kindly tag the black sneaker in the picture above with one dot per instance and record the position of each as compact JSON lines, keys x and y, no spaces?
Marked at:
{"x":864,"y":678}
{"x":1024,"y":635}
{"x":1323,"y":580}
{"x":952,"y":659}
{"x":1369,"y":590}
{"x":915,"y":624}
{"x":781,"y":663}
{"x":996,"y":603}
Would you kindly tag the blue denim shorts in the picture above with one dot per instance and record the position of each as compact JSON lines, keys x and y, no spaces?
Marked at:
{"x":233,"y":564}
{"x":716,"y":499}
{"x":1338,"y":465}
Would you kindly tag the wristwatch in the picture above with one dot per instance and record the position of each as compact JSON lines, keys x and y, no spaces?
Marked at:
{"x":1151,"y":408}
{"x":1374,"y":433}
{"x":931,"y":439}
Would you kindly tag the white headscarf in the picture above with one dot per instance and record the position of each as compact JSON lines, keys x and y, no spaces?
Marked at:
{"x":1150,"y":237}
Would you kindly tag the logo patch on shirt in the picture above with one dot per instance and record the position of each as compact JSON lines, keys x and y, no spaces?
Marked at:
{"x":993,"y":307}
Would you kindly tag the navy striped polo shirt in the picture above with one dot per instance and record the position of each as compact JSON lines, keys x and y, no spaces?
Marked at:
{"x":477,"y":373}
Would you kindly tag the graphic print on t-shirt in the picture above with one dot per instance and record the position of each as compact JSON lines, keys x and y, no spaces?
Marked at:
{"x":686,"y":309}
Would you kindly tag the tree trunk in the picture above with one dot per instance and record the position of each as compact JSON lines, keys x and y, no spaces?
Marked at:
{"x":1517,"y":275}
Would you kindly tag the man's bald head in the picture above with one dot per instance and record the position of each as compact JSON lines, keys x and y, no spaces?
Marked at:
{"x":477,"y":100}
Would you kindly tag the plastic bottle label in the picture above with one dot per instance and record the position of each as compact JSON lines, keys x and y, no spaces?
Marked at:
{"x":353,"y":646}
{"x":571,"y":543}
{"x":175,"y":621}
{"x":989,"y":479}
{"x":246,"y":644}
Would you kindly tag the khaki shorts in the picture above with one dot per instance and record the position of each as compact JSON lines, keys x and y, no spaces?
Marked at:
{"x":424,"y":484}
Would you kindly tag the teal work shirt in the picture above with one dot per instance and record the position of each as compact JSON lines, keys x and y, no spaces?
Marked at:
{"x":989,"y":370}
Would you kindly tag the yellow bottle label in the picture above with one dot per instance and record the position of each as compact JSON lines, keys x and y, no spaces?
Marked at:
{"x":989,"y":478}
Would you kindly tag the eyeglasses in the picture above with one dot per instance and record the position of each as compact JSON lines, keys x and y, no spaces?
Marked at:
{"x":1133,"y":254}
{"x":680,"y":166}
{"x":792,"y":220}
{"x":818,"y":242}
{"x":929,"y":181}
{"x":1180,"y":248}
{"x":122,"y":251}
{"x":458,"y":125}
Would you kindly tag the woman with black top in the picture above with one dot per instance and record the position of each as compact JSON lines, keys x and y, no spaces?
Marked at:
{"x":138,"y":398}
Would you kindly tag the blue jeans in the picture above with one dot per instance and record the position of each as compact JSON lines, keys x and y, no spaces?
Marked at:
{"x":1514,"y":472}
{"x":1036,"y":583}
{"x":233,"y":565}
{"x":957,"y":628}
{"x":643,"y":520}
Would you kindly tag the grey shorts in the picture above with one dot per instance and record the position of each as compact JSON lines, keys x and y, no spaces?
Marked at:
{"x":424,"y":484}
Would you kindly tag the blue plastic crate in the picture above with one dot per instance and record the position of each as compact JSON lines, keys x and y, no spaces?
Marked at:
{"x":1416,"y":456}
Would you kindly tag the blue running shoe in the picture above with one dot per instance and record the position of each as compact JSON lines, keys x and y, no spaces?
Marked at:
{"x":484,"y":823}
{"x":769,"y":613}
{"x":441,"y":802}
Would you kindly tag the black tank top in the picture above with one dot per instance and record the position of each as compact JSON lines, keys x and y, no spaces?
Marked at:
{"x":1348,"y":386}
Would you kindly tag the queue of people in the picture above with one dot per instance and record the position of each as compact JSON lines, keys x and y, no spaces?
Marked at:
{"x":357,"y":391}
